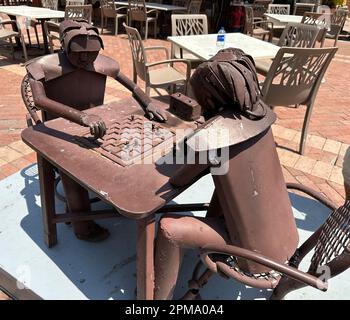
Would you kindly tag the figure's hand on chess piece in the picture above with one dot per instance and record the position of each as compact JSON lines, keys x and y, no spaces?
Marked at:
{"x":96,"y":125}
{"x":154,"y":112}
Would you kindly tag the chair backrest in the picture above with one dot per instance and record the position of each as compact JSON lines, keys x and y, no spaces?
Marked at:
{"x":295,"y":75}
{"x":300,"y":8}
{"x":108,"y":6}
{"x":315,"y":18}
{"x":322,"y":20}
{"x":50,"y":4}
{"x":78,"y":13}
{"x":339,"y":17}
{"x":260,"y":7}
{"x":194,"y":7}
{"x":279,"y":9}
{"x":334,"y":239}
{"x":28,"y":100}
{"x":139,"y":57}
{"x":299,"y":35}
{"x":188,"y":24}
{"x":75,"y":2}
{"x":249,"y":20}
{"x":137,"y":10}
{"x":180,"y":3}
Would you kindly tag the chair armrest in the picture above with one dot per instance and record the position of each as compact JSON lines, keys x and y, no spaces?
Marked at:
{"x":171,"y":61}
{"x":261,"y":259}
{"x":121,"y":8}
{"x":8,"y":21}
{"x":152,"y":10}
{"x":267,"y":24}
{"x":159,"y":48}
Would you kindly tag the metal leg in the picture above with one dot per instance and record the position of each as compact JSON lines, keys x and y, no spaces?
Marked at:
{"x":47,"y":192}
{"x":145,"y":258}
{"x":37,"y":36}
{"x":46,"y":45}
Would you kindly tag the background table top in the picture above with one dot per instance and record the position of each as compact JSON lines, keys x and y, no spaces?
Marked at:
{"x":154,"y":5}
{"x":204,"y":46}
{"x":284,"y":18}
{"x":31,"y":12}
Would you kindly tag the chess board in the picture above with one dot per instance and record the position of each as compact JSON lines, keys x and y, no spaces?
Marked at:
{"x":131,"y":139}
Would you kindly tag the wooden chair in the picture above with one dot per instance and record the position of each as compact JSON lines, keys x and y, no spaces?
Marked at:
{"x":184,"y":25}
{"x":109,"y":10}
{"x":159,"y":77}
{"x":138,"y":12}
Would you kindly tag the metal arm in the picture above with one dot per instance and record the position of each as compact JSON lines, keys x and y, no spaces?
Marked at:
{"x":258,"y":258}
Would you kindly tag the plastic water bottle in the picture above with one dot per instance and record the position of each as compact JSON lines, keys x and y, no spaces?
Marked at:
{"x":220,"y":40}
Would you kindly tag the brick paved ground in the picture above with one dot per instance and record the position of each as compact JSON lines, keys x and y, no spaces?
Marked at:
{"x":329,"y":133}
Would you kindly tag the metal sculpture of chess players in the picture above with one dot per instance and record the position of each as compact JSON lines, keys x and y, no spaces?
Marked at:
{"x":249,"y":232}
{"x":66,"y":83}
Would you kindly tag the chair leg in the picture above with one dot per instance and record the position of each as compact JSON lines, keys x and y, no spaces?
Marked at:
{"x":148,"y":90}
{"x":116,"y":26}
{"x":37,"y":36}
{"x":305,"y":129}
{"x":12,"y":49}
{"x":102,"y":23}
{"x":29,"y":40}
{"x":24,"y":48}
{"x":134,"y":75}
{"x":155,"y":29}
{"x":146,"y":30}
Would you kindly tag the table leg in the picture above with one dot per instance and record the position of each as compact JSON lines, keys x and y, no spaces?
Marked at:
{"x":145,"y":258}
{"x":46,"y":44}
{"x":47,"y":193}
{"x":15,"y":28}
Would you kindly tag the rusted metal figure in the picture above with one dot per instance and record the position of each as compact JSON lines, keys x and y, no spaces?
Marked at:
{"x":64,"y":84}
{"x":249,"y":233}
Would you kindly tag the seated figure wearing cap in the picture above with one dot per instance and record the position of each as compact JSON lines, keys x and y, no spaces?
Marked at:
{"x":66,"y":83}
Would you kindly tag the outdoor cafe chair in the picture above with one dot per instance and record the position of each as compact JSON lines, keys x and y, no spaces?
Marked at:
{"x":294,"y":78}
{"x":48,"y":4}
{"x":162,"y":77}
{"x":194,"y":7}
{"x":259,"y":28}
{"x":294,"y":35}
{"x":337,"y":23}
{"x":322,"y":20}
{"x":260,"y":7}
{"x":300,"y":8}
{"x":109,"y":10}
{"x":329,"y":245}
{"x":278,"y":9}
{"x":138,"y":12}
{"x":185,"y":25}
{"x":10,"y":34}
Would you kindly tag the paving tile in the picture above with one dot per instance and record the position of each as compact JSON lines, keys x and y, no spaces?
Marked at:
{"x":337,"y":175}
{"x":21,"y":147}
{"x":305,"y":164}
{"x":316,"y":141}
{"x":322,"y":170}
{"x":7,"y":154}
{"x":289,"y":158}
{"x":343,"y":149}
{"x":332,"y":146}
